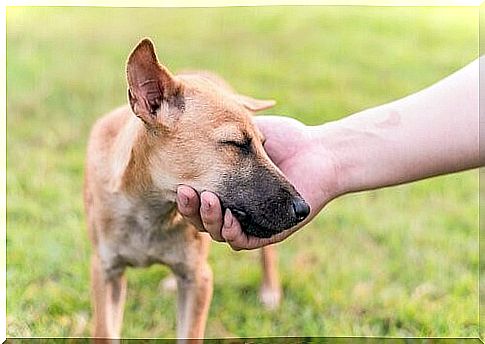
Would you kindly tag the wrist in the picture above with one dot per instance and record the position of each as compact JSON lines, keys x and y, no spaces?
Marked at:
{"x":348,"y":145}
{"x":326,"y":143}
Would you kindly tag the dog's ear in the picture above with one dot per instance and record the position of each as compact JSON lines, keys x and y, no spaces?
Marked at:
{"x":254,"y":104}
{"x":154,"y":94}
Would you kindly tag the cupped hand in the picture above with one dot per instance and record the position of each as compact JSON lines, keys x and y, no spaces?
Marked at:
{"x":299,"y":152}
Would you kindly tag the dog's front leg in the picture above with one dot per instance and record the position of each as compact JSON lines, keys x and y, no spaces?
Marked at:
{"x":108,"y":295}
{"x":194,"y":295}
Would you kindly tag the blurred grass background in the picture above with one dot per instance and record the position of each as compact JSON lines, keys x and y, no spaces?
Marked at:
{"x":400,"y":261}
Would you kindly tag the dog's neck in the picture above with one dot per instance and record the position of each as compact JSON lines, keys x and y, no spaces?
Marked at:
{"x":131,"y":159}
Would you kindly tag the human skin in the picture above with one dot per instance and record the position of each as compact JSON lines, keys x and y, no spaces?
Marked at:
{"x":432,"y":132}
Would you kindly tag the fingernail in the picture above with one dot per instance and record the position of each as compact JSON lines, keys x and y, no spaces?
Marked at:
{"x":228,"y":219}
{"x":183,"y":198}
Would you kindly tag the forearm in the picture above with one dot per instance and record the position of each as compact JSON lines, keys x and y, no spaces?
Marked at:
{"x":432,"y":132}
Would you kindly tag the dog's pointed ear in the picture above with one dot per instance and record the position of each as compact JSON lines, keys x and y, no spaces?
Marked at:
{"x":254,"y":104}
{"x":154,"y":94}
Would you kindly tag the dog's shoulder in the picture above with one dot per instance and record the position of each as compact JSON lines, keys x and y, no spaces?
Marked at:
{"x":109,"y":146}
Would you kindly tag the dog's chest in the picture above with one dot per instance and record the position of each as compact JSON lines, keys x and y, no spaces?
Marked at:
{"x":142,"y":234}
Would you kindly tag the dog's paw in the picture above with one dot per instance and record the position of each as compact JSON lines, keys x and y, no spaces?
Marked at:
{"x":270,"y":297}
{"x":168,"y":284}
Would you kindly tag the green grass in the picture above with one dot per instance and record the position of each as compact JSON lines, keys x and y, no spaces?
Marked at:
{"x":401,"y":261}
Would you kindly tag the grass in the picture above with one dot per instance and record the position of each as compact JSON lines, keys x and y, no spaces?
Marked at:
{"x":396,"y":262}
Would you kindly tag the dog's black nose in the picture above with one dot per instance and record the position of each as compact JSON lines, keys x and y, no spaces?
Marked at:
{"x":301,"y":208}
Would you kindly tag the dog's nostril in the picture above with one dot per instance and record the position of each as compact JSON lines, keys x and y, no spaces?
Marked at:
{"x":301,"y":208}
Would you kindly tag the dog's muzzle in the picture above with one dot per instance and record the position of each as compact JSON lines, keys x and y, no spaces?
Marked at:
{"x":298,"y":212}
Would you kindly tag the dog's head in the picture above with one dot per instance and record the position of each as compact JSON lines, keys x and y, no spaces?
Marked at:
{"x":202,"y":135}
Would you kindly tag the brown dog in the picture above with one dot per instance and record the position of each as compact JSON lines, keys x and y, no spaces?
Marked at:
{"x":187,"y":129}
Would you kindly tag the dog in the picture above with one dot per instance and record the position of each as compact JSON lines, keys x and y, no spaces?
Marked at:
{"x":193,"y":129}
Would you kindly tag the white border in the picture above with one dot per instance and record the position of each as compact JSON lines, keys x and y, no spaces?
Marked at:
{"x":142,"y":3}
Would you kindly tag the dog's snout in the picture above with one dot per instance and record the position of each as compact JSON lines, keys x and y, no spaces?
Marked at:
{"x":301,"y":209}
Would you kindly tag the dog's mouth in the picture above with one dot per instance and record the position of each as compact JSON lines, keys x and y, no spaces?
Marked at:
{"x":251,"y":227}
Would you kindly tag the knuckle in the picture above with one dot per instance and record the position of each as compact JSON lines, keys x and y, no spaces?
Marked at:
{"x":186,"y":214}
{"x":187,"y":210}
{"x":209,"y":221}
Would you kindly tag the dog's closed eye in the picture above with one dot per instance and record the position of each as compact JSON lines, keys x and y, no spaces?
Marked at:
{"x":243,"y":145}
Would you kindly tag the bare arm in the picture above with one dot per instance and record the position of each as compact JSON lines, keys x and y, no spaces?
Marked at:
{"x":431,"y":132}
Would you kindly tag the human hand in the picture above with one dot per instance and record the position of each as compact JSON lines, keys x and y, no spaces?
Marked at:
{"x":302,"y":158}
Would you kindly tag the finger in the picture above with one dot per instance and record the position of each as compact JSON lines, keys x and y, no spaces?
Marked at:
{"x":231,"y":231}
{"x":211,"y":215}
{"x":267,"y":123}
{"x":264,"y":123}
{"x":236,"y":238}
{"x":188,"y":205}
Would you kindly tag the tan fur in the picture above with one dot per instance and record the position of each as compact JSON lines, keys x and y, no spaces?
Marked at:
{"x":132,"y":170}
